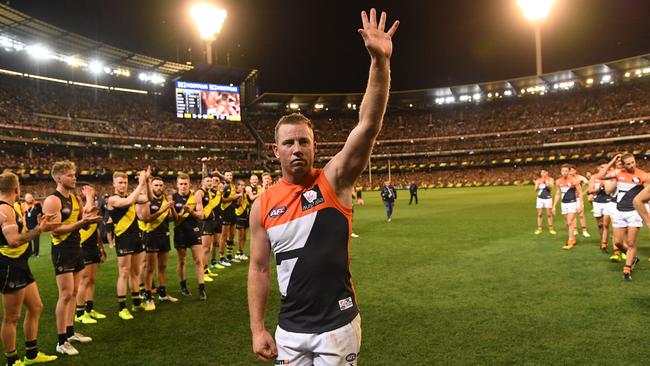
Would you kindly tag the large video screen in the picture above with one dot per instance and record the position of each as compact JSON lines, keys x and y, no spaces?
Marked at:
{"x":207,"y":101}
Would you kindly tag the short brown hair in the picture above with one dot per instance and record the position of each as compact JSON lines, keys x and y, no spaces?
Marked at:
{"x":120,"y":175}
{"x":565,"y":166}
{"x":266,"y":174}
{"x":626,"y":156}
{"x":61,"y":167}
{"x":182,"y":176}
{"x":8,"y":182}
{"x":157,"y":178}
{"x":293,"y":119}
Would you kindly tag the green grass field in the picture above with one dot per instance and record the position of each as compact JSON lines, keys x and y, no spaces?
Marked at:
{"x":457,"y":280}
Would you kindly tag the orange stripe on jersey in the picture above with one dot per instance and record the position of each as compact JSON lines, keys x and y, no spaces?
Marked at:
{"x":284,"y":201}
{"x":637,"y":177}
{"x":309,"y":234}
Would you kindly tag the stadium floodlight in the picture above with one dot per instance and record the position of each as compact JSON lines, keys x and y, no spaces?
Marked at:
{"x":95,"y":67}
{"x":157,"y":79}
{"x":209,"y":20}
{"x":6,"y":43}
{"x":73,"y":61}
{"x":606,"y":79}
{"x":38,"y":51}
{"x":536,"y":11}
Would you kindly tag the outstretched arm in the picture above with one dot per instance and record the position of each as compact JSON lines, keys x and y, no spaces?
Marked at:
{"x":344,"y":169}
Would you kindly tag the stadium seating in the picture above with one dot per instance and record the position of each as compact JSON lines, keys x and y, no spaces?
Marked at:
{"x":505,"y":141}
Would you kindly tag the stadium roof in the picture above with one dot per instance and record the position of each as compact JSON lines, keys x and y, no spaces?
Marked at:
{"x":401,"y":99}
{"x":31,"y":30}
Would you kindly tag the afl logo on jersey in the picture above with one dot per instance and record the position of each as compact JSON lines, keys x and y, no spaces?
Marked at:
{"x":277,"y":211}
{"x":311,"y":198}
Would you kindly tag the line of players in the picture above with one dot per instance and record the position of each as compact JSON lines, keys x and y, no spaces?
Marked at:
{"x":204,"y":221}
{"x":614,"y":190}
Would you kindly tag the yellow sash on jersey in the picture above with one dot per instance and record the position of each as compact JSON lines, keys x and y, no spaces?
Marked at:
{"x":225,"y":205}
{"x":14,"y":253}
{"x":125,"y":222}
{"x":87,"y":233}
{"x":19,"y":209}
{"x":74,"y":217}
{"x":191,"y":201}
{"x":153,"y":225}
{"x":215,"y":199}
{"x":239,"y":210}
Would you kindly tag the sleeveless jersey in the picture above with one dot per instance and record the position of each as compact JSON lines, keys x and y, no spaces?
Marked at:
{"x":216,"y":202}
{"x":162,"y":221}
{"x":228,"y":191}
{"x":567,"y":189}
{"x":207,"y":201}
{"x":601,"y":196}
{"x":125,"y":223}
{"x":309,"y":231}
{"x":628,"y":185}
{"x":186,"y":220}
{"x":89,"y":236}
{"x":243,"y":205}
{"x":70,"y":212}
{"x":543,"y":191}
{"x":20,"y":254}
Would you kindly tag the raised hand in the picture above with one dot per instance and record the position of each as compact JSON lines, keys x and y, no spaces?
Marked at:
{"x":92,"y":211}
{"x":378,"y":42}
{"x":88,"y":192}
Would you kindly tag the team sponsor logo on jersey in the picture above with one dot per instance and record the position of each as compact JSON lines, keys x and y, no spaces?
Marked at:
{"x":277,"y":211}
{"x":346,"y":303}
{"x":351,"y":357}
{"x":281,"y":362}
{"x":636,"y":180}
{"x":155,"y":207}
{"x":66,"y":211}
{"x":311,"y":198}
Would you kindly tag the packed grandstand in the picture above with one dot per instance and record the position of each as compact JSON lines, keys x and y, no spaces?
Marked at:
{"x":491,"y":133}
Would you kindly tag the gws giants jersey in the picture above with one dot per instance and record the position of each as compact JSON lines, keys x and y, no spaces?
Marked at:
{"x":628,"y":185}
{"x":309,"y":231}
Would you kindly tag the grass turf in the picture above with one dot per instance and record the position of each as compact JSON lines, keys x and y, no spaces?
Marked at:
{"x":458,"y":279}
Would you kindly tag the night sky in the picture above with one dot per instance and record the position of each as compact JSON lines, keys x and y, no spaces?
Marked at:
{"x":313,"y":46}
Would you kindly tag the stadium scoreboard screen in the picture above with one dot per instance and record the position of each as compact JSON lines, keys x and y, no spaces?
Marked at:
{"x":207,"y":101}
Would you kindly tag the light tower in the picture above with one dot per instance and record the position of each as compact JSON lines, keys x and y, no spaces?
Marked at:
{"x":209,"y":20}
{"x":536,"y":11}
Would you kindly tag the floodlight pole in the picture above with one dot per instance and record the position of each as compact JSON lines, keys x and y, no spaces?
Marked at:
{"x":538,"y":48}
{"x":208,"y":51}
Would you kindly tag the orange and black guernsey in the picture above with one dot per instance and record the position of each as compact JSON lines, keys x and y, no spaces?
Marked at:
{"x":70,"y":212}
{"x":309,"y":232}
{"x":16,"y":256}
